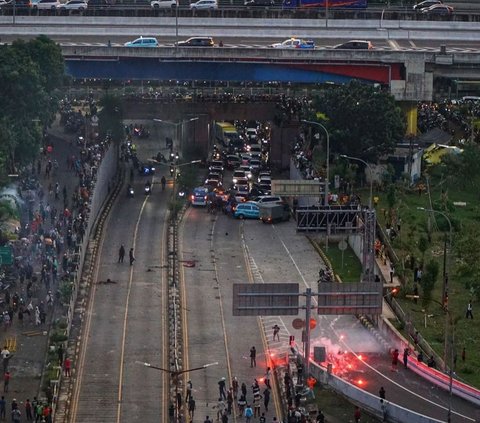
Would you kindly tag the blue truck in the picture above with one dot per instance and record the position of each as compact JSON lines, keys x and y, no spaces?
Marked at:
{"x":322,"y":4}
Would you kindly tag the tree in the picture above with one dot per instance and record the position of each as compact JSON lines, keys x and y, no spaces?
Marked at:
{"x":363,"y":121}
{"x":429,"y":279}
{"x":110,"y":117}
{"x":29,"y":72}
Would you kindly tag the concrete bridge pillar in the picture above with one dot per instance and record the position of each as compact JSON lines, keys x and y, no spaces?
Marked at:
{"x":418,"y":83}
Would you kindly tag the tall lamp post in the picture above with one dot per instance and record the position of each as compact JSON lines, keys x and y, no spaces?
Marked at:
{"x":445,"y":306}
{"x":178,"y":125}
{"x":370,"y":198}
{"x":319,"y":125}
{"x":175,"y":374}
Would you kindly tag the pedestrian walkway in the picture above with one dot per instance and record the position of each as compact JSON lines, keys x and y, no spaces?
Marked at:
{"x":32,"y":301}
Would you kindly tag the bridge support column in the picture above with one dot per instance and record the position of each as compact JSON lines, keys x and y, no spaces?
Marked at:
{"x":417,"y":85}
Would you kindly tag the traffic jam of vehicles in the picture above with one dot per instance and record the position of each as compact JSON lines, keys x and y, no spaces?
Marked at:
{"x":239,"y":178}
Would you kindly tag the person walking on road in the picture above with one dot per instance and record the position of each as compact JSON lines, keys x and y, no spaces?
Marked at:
{"x":381,"y":393}
{"x":121,"y":254}
{"x":392,"y":271}
{"x":131,"y":256}
{"x":235,"y":387}
{"x":267,"y":378}
{"x":3,"y":407}
{"x":253,"y":357}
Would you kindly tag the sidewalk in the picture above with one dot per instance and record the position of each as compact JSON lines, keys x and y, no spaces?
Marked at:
{"x":27,"y":341}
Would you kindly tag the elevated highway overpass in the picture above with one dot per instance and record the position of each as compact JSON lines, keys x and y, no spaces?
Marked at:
{"x":408,"y":73}
{"x":408,"y":55}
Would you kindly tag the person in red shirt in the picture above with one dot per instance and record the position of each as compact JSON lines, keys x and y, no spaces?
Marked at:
{"x":6,"y":381}
{"x":395,"y":360}
{"x":67,"y":365}
{"x":357,"y":414}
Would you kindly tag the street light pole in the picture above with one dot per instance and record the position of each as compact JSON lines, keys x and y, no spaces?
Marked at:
{"x":445,"y":307}
{"x":174,"y":374}
{"x":371,"y":175}
{"x":325,"y":200}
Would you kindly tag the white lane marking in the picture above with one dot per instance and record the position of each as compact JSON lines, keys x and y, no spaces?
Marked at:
{"x":412,"y":44}
{"x":394,"y":44}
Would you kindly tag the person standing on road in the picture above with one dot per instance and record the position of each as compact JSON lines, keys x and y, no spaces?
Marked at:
{"x":6,"y":381}
{"x":406,"y":353}
{"x":253,"y":357}
{"x":207,"y":420}
{"x":28,"y":410}
{"x":266,"y":398}
{"x":276,"y":332}
{"x":5,"y":353}
{"x":67,"y":364}
{"x":235,"y":387}
{"x":191,"y":407}
{"x":3,"y":407}
{"x":357,"y":414}
{"x":121,"y":254}
{"x":131,"y":256}
{"x":381,"y":393}
{"x":267,"y":378}
{"x":244,"y":389}
{"x":189,"y":391}
{"x":248,"y":414}
{"x":222,"y":389}
{"x":392,"y":271}
{"x":395,"y":355}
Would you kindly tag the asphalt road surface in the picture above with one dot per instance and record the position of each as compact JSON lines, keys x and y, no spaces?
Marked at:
{"x":126,"y":319}
{"x":228,"y":251}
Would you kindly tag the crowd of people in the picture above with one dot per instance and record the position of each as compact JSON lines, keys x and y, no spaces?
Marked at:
{"x":45,"y":255}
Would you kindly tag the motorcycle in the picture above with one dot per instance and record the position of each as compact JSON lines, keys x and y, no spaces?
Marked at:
{"x":130,"y":192}
{"x":148,"y":188}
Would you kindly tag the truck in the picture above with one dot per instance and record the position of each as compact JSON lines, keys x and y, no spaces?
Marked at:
{"x":225,"y":133}
{"x":274,"y":212}
{"x":323,"y":4}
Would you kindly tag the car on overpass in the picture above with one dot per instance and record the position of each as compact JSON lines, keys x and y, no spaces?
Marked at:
{"x":73,"y":5}
{"x":438,"y":9}
{"x":197,"y":42}
{"x":355,"y":45}
{"x":142,"y":42}
{"x":294,"y":43}
{"x":45,"y":5}
{"x":425,"y":4}
{"x":204,"y":5}
{"x":163,"y":4}
{"x":259,"y":3}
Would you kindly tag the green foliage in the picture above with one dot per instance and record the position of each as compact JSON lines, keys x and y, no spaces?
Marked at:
{"x":391,"y":196}
{"x":29,"y":72}
{"x":363,"y":121}
{"x":429,"y":279}
{"x":468,"y":253}
{"x":422,"y":246}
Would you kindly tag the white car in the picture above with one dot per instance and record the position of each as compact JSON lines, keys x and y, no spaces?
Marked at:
{"x":204,"y":5}
{"x":295,"y":43}
{"x":79,"y":5}
{"x":46,"y":5}
{"x":163,"y":4}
